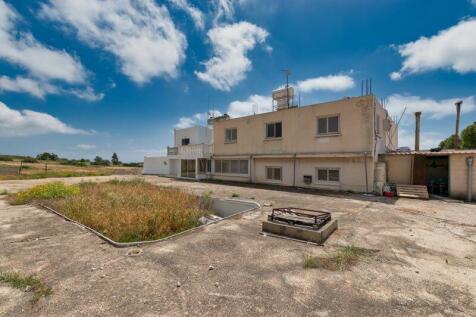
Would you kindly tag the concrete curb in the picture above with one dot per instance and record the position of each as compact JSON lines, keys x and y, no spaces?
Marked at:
{"x":138,"y":243}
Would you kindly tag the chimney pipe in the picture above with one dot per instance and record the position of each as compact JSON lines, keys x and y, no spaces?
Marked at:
{"x":458,"y":111}
{"x":417,"y":130}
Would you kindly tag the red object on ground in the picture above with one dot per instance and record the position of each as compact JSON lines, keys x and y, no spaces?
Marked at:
{"x":389,"y":194}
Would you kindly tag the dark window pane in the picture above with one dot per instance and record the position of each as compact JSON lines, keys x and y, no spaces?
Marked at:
{"x":234,"y":134}
{"x":235,"y":166}
{"x":269,"y":173}
{"x":243,"y":167}
{"x":225,"y":166}
{"x":270,"y":130}
{"x":217,"y":166}
{"x":322,"y":125}
{"x":333,"y":124}
{"x":322,"y":174}
{"x":209,"y":166}
{"x":186,"y":141}
{"x":279,"y":130}
{"x":333,"y":175}
{"x":277,"y":174}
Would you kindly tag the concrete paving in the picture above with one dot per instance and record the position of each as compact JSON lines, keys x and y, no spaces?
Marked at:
{"x":426,"y":264}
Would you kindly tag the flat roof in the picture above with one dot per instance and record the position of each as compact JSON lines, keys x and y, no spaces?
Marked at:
{"x":434,"y":153}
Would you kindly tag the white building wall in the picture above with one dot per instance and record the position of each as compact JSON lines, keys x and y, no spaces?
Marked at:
{"x":197,"y":135}
{"x":156,"y":165}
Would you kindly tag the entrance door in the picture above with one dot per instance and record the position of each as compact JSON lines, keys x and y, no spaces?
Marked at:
{"x":188,"y":168}
{"x":419,"y":170}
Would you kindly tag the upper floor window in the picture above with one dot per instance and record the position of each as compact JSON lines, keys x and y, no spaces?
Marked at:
{"x":328,"y":125}
{"x":231,"y":135}
{"x":274,"y":130}
{"x":185,"y":141}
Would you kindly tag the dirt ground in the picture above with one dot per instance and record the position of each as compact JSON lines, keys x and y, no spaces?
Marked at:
{"x":426,"y":264}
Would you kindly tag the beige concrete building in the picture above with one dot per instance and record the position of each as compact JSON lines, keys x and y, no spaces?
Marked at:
{"x":332,"y":145}
{"x":446,"y":172}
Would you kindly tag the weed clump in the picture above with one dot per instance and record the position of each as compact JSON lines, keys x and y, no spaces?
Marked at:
{"x":342,"y":260}
{"x":54,"y":190}
{"x":28,"y":283}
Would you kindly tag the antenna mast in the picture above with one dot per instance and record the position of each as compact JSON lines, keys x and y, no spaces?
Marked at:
{"x":286,"y":73}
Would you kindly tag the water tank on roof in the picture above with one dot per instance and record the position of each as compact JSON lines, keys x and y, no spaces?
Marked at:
{"x":282,"y":98}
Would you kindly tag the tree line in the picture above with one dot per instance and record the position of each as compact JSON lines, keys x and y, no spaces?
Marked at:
{"x":467,"y":139}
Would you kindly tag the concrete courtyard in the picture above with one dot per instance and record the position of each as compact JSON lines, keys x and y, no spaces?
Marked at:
{"x":425,"y":264}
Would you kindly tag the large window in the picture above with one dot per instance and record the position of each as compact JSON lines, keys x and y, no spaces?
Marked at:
{"x":328,"y":125}
{"x":273,"y":173}
{"x":231,"y":135}
{"x":274,"y":130}
{"x":185,"y":141}
{"x":231,"y":166}
{"x":328,"y":175}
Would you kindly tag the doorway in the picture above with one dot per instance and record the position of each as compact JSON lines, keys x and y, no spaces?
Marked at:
{"x":187,"y":169}
{"x":433,"y":172}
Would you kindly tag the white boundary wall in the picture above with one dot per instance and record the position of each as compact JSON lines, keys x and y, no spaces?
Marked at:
{"x":156,"y":165}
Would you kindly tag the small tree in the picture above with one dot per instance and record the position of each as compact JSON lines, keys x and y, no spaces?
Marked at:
{"x":115,"y":159}
{"x":448,"y":143}
{"x":98,"y":160}
{"x":45,"y":156}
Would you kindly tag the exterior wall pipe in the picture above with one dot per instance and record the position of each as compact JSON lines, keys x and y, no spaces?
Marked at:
{"x":366,"y":176}
{"x":469,"y":163}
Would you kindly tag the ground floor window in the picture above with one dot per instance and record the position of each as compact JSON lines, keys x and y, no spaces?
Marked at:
{"x":328,"y":175}
{"x":273,"y":173}
{"x":204,"y":166}
{"x":231,"y":166}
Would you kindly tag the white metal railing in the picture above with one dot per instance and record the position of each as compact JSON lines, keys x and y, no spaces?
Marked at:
{"x":191,"y":150}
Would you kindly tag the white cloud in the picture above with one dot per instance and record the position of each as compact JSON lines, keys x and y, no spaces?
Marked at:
{"x":428,"y":139}
{"x":331,"y":82}
{"x":28,"y":122}
{"x":86,"y":146}
{"x":224,"y":10}
{"x":230,"y":63}
{"x":87,"y":94}
{"x":33,"y":87}
{"x":196,"y":15}
{"x":453,"y":48}
{"x":430,"y":108}
{"x":141,"y":34}
{"x":254,"y":104}
{"x":197,"y":119}
{"x":22,"y":49}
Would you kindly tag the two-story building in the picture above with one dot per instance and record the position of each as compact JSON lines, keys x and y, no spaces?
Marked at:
{"x":332,"y":145}
{"x":190,"y":157}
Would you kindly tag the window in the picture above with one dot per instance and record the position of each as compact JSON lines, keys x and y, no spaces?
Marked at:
{"x":231,"y":135}
{"x":273,"y":173}
{"x":328,"y":125}
{"x":328,"y":175}
{"x":274,"y":130}
{"x":231,"y":166}
{"x":185,"y":141}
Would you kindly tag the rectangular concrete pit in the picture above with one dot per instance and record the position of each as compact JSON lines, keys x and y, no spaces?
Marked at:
{"x":316,"y":236}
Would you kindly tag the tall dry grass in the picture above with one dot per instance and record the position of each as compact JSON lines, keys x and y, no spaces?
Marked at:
{"x":133,"y":210}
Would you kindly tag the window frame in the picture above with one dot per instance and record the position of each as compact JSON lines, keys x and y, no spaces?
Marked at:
{"x":230,"y":141}
{"x":273,"y":179}
{"x":228,"y":164}
{"x":267,"y":137}
{"x":182,"y":141}
{"x":328,"y":181}
{"x":327,"y":133}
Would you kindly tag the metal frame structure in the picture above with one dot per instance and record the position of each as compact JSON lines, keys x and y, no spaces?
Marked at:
{"x":300,"y":217}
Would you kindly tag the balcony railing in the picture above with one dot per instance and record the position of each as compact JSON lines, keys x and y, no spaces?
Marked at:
{"x":191,"y":150}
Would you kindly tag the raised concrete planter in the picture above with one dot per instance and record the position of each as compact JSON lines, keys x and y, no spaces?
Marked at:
{"x":300,"y":233}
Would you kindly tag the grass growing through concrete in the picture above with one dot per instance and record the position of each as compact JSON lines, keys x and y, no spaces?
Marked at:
{"x":28,"y":283}
{"x":125,"y":211}
{"x":3,"y":192}
{"x":342,"y":260}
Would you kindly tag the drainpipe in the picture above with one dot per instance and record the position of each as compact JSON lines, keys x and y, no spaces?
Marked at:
{"x":469,"y":163}
{"x":366,"y":177}
{"x":294,"y":170}
{"x":417,"y":131}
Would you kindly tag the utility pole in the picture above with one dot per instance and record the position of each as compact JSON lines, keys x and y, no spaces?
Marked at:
{"x":287,"y":72}
{"x":458,"y":112}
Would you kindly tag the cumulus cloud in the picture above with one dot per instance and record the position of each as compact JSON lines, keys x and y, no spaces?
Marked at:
{"x":22,"y":49}
{"x":331,"y":82}
{"x":27,"y":122}
{"x":141,"y":34}
{"x":230,"y":63}
{"x":197,"y":119}
{"x":33,"y":87}
{"x":254,"y":104}
{"x":428,"y":139}
{"x":196,"y":15}
{"x":453,"y":48}
{"x":430,"y":108}
{"x":86,"y":146}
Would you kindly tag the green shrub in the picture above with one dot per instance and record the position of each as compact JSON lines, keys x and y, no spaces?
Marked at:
{"x":342,"y":260}
{"x":44,"y":191}
{"x":28,"y":284}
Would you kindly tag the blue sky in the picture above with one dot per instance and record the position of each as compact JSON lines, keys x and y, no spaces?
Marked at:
{"x":86,"y":78}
